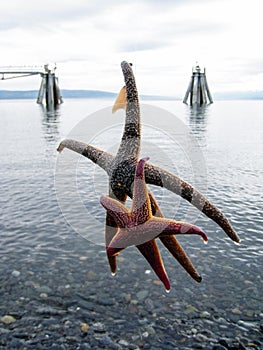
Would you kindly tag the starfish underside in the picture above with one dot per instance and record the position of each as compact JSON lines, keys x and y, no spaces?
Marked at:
{"x":121,"y":169}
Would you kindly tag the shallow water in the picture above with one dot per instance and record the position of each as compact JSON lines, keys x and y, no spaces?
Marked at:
{"x":224,"y":141}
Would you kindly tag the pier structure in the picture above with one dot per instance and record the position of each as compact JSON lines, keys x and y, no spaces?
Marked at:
{"x":198,"y":90}
{"x":49,"y":90}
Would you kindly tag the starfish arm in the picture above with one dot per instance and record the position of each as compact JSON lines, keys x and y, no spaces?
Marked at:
{"x":160,"y":177}
{"x":110,"y":231}
{"x":120,"y":174}
{"x":131,"y":89}
{"x":131,"y":139}
{"x":132,"y":236}
{"x":122,"y":169}
{"x":149,"y":250}
{"x":141,"y":205}
{"x":175,"y":248}
{"x":152,"y":254}
{"x":96,"y":155}
{"x":171,"y":243}
{"x":141,"y":212}
{"x":154,"y":227}
{"x":172,"y":227}
{"x":116,"y":210}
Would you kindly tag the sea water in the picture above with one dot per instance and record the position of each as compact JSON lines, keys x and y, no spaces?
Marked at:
{"x":217,"y":148}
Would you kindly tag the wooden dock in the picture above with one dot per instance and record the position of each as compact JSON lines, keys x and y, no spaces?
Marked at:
{"x":49,"y":90}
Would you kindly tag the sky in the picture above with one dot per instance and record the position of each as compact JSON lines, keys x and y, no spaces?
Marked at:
{"x":163,"y":39}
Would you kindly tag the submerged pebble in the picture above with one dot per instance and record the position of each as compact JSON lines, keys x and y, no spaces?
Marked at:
{"x":16,"y":273}
{"x":119,"y":316}
{"x":43,"y":289}
{"x":98,"y":327}
{"x":142,"y":294}
{"x":7,"y":319}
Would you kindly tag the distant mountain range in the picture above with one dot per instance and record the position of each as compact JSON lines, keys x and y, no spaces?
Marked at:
{"x":238,"y":95}
{"x":32,"y":94}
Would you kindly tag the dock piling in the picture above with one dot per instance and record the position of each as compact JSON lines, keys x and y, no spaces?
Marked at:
{"x":198,"y":88}
{"x":49,"y":87}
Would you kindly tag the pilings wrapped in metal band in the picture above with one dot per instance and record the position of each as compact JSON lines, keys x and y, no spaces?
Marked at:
{"x":50,"y":89}
{"x":198,"y":89}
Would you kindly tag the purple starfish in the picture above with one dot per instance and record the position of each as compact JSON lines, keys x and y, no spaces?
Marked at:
{"x":138,"y":225}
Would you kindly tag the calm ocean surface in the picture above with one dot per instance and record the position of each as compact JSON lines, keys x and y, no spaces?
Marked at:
{"x":227,"y":139}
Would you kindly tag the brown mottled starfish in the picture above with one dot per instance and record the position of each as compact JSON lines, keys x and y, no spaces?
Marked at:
{"x":121,"y":169}
{"x":138,"y":224}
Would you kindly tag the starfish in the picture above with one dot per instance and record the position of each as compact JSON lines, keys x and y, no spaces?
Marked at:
{"x":138,"y":224}
{"x":121,"y":169}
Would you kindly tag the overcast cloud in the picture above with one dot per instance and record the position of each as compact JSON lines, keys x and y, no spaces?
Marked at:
{"x":164,"y":39}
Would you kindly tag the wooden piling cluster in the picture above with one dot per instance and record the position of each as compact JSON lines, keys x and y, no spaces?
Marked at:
{"x":49,"y":89}
{"x":198,"y":88}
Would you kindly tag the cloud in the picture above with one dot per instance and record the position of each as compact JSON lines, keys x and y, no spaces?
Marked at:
{"x":28,"y":13}
{"x":89,"y":39}
{"x":142,"y":45}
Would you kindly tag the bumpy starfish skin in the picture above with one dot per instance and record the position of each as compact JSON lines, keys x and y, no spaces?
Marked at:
{"x":121,"y":174}
{"x":121,"y":169}
{"x":163,"y":178}
{"x":138,"y":225}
